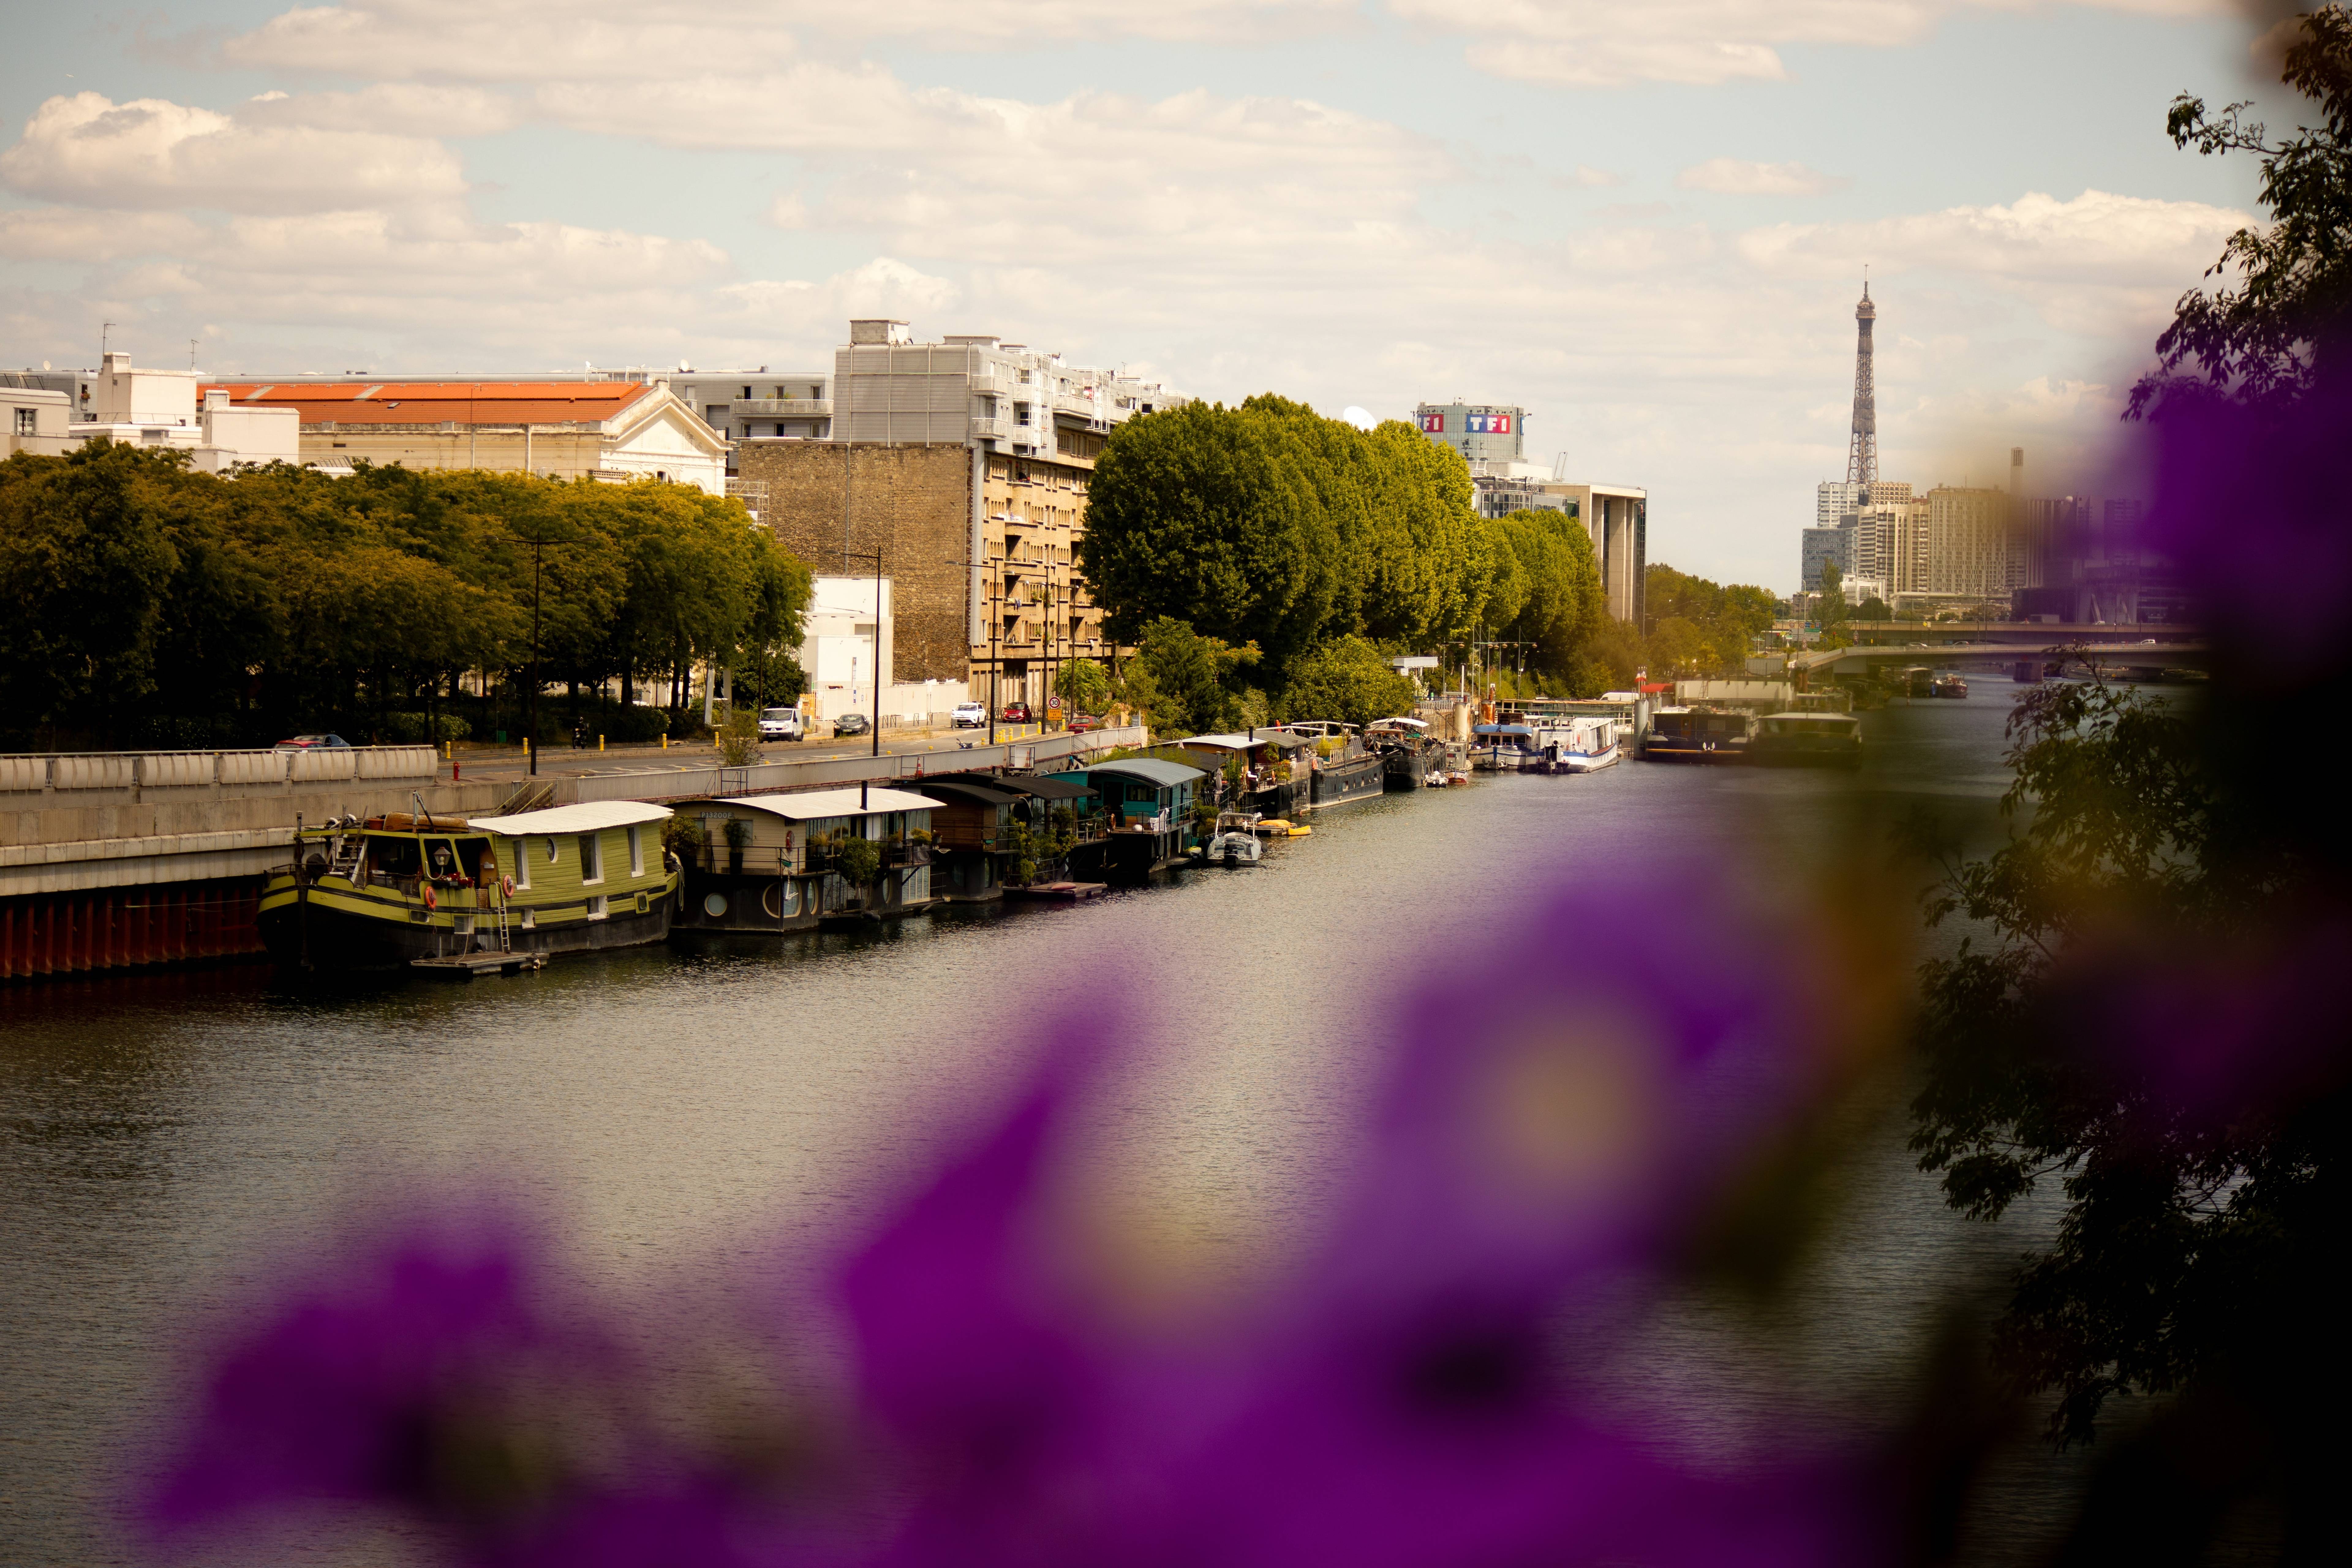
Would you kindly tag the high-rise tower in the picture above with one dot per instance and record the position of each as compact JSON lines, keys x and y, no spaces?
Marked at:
{"x":1862,"y":459}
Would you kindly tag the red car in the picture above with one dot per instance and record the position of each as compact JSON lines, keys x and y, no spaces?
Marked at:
{"x":1081,"y":722}
{"x":1017,"y":713}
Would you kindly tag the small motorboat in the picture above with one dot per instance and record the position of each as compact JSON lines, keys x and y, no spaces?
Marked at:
{"x":1949,"y":686}
{"x":1235,"y":842}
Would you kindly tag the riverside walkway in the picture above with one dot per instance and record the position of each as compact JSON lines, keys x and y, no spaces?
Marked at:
{"x":120,"y":858}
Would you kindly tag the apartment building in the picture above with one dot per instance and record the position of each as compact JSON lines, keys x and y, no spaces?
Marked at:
{"x":1972,"y":549}
{"x":965,"y":464}
{"x":756,"y":405}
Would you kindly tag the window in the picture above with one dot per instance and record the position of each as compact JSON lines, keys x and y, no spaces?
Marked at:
{"x":521,"y":864}
{"x":636,"y":852}
{"x":597,"y":909}
{"x":25,"y":421}
{"x":1021,"y":414}
{"x":747,"y":392}
{"x":550,"y":852}
{"x":592,"y":862}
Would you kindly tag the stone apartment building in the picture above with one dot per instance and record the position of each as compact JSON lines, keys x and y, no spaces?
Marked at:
{"x":965,"y":463}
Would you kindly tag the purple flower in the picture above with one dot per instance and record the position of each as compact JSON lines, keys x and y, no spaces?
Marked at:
{"x":354,"y":1389}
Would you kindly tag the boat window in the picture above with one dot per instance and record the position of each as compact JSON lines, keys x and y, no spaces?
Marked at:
{"x":551,"y":852}
{"x":521,"y":856}
{"x":397,"y":857}
{"x":592,"y":858}
{"x":636,"y":852}
{"x":441,"y":853}
{"x":597,"y":908}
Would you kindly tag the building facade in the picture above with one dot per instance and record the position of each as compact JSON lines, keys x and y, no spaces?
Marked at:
{"x":152,"y":408}
{"x":1481,"y":432}
{"x":966,"y":463}
{"x":612,"y":430}
{"x":763,"y":404}
{"x":1972,"y":548}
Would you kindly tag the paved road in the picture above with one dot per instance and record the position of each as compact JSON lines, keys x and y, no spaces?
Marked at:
{"x":502,"y":763}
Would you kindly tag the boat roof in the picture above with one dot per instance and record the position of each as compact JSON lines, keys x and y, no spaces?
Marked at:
{"x":1415,"y":723}
{"x":1151,"y":770}
{"x":1242,"y":743}
{"x":1816,"y":718}
{"x":1045,"y":786}
{"x":811,"y":804}
{"x":588,"y":817}
{"x":970,"y":791}
{"x":1503,"y":730}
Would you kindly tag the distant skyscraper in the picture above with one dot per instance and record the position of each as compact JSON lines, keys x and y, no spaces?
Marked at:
{"x":1862,"y":457}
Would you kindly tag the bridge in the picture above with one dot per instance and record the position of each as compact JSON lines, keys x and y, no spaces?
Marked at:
{"x":2002,"y":646}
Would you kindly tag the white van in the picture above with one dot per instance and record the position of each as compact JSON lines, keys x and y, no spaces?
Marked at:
{"x":780,"y":724}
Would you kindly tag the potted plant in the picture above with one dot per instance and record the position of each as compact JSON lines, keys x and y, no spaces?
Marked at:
{"x":859,"y":861}
{"x":739,"y":838}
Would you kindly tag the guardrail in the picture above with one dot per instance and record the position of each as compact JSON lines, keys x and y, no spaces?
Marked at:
{"x":88,"y":772}
{"x":698,"y":782}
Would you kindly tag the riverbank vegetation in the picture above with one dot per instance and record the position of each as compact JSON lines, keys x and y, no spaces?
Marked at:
{"x":145,"y":604}
{"x":1309,"y":552}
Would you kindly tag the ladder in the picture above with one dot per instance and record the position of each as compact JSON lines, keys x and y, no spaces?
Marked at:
{"x":349,"y":852}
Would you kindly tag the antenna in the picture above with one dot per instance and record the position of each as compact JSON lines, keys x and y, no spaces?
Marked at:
{"x":191,"y":356}
{"x":103,"y":328}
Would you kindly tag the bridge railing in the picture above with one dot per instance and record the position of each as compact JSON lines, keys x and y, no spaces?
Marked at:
{"x":129,"y":773}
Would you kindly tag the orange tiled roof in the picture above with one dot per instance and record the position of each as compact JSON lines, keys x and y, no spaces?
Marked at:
{"x":432,"y":402}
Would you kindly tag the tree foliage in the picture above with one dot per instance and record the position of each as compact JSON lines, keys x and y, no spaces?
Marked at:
{"x":2268,"y":336}
{"x":1189,"y":682}
{"x":137,"y":590}
{"x":1345,"y":679}
{"x":1083,"y":683}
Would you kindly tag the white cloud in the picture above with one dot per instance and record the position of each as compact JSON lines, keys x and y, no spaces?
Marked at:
{"x":398,"y":108}
{"x":1582,"y":178}
{"x":1606,"y":43}
{"x":604,"y":40}
{"x":1739,"y":177}
{"x":150,"y":154}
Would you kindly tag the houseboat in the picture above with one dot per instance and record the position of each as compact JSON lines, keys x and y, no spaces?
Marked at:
{"x":1276,"y":768}
{"x":773,"y":862}
{"x":1148,"y":805}
{"x":1807,"y":741}
{"x":1699,"y":735}
{"x":390,"y":890}
{"x":1947,"y":685}
{"x":1578,"y":745}
{"x":1504,"y":748}
{"x":1404,"y":745}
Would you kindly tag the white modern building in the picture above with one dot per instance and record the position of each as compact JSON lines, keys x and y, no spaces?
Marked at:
{"x":152,"y":408}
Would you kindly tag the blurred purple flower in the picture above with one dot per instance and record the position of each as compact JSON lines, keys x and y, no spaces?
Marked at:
{"x":2250,"y":503}
{"x":344,"y":1394}
{"x":1557,"y":1117}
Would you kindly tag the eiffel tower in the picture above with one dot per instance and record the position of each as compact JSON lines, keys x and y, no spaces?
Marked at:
{"x":1862,"y":459}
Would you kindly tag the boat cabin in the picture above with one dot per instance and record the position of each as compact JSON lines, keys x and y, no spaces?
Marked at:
{"x":771,"y":862}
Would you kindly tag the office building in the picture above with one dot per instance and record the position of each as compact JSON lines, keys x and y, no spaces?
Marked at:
{"x":157,"y":409}
{"x":965,"y":464}
{"x":1481,"y":432}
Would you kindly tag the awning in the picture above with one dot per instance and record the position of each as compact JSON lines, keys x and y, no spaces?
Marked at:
{"x":811,"y":806}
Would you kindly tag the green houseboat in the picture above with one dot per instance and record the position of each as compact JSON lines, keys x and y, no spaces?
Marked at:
{"x":389,"y":890}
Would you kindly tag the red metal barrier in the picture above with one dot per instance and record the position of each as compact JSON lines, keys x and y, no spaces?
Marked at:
{"x":129,"y":928}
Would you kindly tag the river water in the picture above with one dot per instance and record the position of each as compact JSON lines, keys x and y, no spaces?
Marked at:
{"x":162,"y":1137}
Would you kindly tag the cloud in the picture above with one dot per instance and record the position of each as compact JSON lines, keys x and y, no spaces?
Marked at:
{"x":154,"y":155}
{"x":1603,"y":43}
{"x":605,"y":40}
{"x":1581,"y":178}
{"x":400,"y":108}
{"x":1739,"y":177}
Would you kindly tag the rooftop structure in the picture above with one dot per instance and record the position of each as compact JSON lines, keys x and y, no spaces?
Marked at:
{"x":1481,"y":432}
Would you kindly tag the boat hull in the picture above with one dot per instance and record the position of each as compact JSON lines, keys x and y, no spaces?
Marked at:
{"x":332,"y":930}
{"x":1589,"y":763}
{"x":1336,"y":784}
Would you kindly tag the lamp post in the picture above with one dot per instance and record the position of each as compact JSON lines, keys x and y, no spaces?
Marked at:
{"x":996,"y":658}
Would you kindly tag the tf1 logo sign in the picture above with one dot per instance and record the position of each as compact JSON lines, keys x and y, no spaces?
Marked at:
{"x":1489,"y":424}
{"x":1433,"y":424}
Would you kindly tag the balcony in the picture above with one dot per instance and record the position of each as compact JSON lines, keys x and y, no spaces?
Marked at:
{"x":781,"y":407}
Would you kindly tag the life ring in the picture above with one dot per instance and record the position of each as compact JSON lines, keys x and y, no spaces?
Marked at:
{"x":506,"y":887}
{"x":430,"y":901}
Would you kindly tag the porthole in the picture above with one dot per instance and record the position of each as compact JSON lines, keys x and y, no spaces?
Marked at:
{"x":782,"y":899}
{"x":715,"y":906}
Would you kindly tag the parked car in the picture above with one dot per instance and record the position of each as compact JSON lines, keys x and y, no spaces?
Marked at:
{"x":314,"y":743}
{"x":1081,"y":722}
{"x":1017,"y":713}
{"x":851,"y":724}
{"x":969,"y":716}
{"x":780,"y":724}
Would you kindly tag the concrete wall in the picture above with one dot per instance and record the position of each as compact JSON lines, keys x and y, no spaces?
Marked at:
{"x":912,"y":502}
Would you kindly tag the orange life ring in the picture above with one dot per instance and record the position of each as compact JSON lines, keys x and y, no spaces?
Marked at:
{"x":506,"y":887}
{"x":430,"y":901}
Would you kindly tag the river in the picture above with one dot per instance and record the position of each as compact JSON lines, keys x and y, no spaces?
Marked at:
{"x":161,"y":1136}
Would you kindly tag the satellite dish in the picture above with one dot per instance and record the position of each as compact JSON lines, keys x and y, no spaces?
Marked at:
{"x":1359,"y":417}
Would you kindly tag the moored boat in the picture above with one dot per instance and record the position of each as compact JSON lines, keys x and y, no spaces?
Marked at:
{"x":1697,"y":735}
{"x":396,"y":889}
{"x":1808,"y":741}
{"x":1949,"y":685}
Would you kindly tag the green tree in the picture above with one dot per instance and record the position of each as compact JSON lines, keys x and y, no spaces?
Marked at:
{"x":85,"y":559}
{"x":1189,"y":676}
{"x":2286,"y":320}
{"x":1084,"y":684}
{"x":1345,"y":679}
{"x":1212,"y":516}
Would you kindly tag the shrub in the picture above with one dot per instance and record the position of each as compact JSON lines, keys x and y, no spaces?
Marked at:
{"x":859,"y":862}
{"x":422,"y":729}
{"x":738,"y":832}
{"x":633,"y":726}
{"x":682,"y":836}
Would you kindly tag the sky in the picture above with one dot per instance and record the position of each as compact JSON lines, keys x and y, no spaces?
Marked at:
{"x":1647,"y":224}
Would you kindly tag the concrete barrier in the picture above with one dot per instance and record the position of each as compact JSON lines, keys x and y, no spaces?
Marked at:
{"x":177,"y":770}
{"x":253,"y":767}
{"x":23,"y":774}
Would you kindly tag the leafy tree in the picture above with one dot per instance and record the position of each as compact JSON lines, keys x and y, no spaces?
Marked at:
{"x":859,"y":861}
{"x":1188,"y":676}
{"x":1083,"y":683}
{"x":1212,"y":516}
{"x":2270,"y":336}
{"x":1562,"y":605}
{"x":86,"y":555}
{"x":1873,"y":608}
{"x":1345,"y":679}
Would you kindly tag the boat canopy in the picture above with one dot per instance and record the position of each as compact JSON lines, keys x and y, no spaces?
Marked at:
{"x":813,"y":805}
{"x":588,"y":817}
{"x":1045,"y":786}
{"x":1406,"y":723}
{"x":1151,"y":770}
